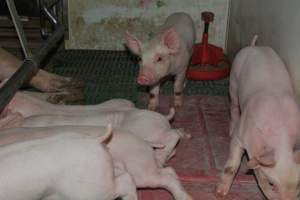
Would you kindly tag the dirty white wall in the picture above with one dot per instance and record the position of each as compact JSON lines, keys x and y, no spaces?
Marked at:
{"x":100,"y":24}
{"x":277,"y":24}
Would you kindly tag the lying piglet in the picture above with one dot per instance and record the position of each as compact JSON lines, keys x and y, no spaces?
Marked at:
{"x":64,"y":166}
{"x":148,"y":125}
{"x":140,"y":161}
{"x":167,"y":53}
{"x":43,"y":80}
{"x":265,"y":122}
{"x":29,"y":105}
{"x":136,"y":154}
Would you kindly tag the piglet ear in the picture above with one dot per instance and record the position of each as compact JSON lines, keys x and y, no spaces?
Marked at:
{"x":133,"y":43}
{"x":264,"y":160}
{"x":297,"y":156}
{"x":171,"y":39}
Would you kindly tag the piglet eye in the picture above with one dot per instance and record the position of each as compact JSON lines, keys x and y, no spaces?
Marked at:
{"x":159,"y":59}
{"x":138,"y":58}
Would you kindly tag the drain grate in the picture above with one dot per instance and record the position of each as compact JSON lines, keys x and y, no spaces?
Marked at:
{"x":112,"y":74}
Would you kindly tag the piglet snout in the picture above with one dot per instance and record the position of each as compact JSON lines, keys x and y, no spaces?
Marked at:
{"x":145,"y":77}
{"x":143,"y":80}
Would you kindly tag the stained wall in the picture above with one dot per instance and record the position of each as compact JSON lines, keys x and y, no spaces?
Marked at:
{"x":101,"y":24}
{"x":276,"y":23}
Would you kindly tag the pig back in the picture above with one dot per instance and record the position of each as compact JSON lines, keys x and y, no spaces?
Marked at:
{"x":184,"y":26}
{"x":259,"y":70}
{"x":71,"y":166}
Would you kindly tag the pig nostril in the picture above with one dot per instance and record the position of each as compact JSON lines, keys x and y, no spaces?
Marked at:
{"x":271,"y":184}
{"x":143,"y":80}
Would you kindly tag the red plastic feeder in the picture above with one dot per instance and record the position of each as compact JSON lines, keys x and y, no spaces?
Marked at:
{"x":208,"y":61}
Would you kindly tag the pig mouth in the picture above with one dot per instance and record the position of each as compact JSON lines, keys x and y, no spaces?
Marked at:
{"x":145,"y":80}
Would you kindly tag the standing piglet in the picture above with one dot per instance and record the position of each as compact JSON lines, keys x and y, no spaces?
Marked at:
{"x":265,"y":122}
{"x":167,"y":53}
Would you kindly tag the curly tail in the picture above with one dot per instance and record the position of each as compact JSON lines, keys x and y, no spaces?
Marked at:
{"x":254,"y":39}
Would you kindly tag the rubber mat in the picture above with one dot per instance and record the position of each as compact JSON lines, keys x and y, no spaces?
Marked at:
{"x":112,"y":74}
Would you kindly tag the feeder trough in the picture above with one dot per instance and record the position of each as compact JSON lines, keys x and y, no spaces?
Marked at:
{"x":208,"y":61}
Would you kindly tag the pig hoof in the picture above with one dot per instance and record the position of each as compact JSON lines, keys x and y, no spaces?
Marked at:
{"x":220,"y":191}
{"x":189,"y":198}
{"x":178,"y":103}
{"x":151,"y":107}
{"x":183,"y":134}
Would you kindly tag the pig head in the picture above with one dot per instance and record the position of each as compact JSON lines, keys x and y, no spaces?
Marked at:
{"x":272,"y":146}
{"x":167,"y":53}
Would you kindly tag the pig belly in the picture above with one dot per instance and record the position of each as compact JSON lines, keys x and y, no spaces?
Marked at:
{"x":56,"y":168}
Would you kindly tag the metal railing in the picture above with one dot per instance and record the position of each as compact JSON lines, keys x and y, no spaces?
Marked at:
{"x":30,"y":65}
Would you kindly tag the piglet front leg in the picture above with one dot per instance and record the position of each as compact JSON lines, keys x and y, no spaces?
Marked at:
{"x":125,"y":186}
{"x":154,"y":98}
{"x":230,"y":169}
{"x":178,"y":89}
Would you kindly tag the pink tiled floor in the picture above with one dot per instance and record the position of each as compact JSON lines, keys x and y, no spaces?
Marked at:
{"x":198,"y":160}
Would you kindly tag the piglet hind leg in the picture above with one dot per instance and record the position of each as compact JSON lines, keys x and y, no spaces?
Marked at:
{"x":230,"y":169}
{"x":125,"y":186}
{"x":164,"y":154}
{"x":166,"y":178}
{"x":234,"y":105}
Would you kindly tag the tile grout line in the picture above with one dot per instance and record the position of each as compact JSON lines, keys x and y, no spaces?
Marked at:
{"x":211,"y":159}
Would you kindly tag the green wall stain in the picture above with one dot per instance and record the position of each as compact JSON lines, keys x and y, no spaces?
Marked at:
{"x":160,"y":3}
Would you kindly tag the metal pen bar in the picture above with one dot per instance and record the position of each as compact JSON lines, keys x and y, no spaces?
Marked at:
{"x":50,"y":15}
{"x":51,"y":41}
{"x":16,"y":20}
{"x":29,"y":66}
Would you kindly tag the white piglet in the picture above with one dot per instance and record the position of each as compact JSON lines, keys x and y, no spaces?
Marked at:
{"x":67,"y":165}
{"x":167,"y":53}
{"x":151,"y":126}
{"x":265,"y":121}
